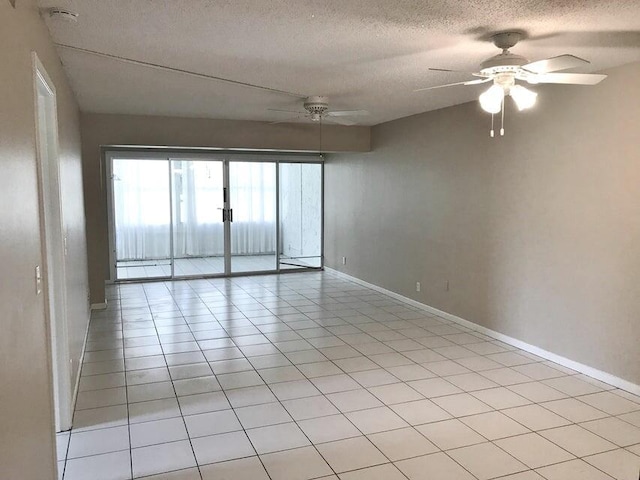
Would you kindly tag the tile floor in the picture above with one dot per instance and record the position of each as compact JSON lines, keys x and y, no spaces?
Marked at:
{"x":305,"y":376}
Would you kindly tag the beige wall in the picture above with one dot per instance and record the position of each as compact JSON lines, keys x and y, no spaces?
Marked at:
{"x":106,"y":129}
{"x":26,"y":418}
{"x":538,"y":232}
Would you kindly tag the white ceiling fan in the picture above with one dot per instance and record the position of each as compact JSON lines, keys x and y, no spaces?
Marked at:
{"x":506,"y":69}
{"x":317,"y":109}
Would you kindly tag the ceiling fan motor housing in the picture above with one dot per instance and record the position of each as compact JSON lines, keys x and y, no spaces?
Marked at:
{"x":316,"y":105}
{"x":503,"y":63}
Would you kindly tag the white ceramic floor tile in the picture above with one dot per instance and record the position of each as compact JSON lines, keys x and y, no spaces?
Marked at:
{"x":395,"y":393}
{"x":574,"y":410}
{"x":617,"y":431}
{"x":450,"y":434}
{"x":158,"y":431}
{"x":212,"y":423}
{"x":402,"y":444}
{"x":353,"y":400}
{"x":185,"y":474}
{"x":329,"y":429}
{"x":203,"y":402}
{"x":436,"y":466}
{"x":310,"y":407}
{"x":102,"y":417}
{"x":577,"y":440}
{"x":620,"y":464}
{"x":380,"y":472}
{"x":298,"y":464}
{"x":262,"y":415}
{"x":110,"y":466}
{"x":274,"y":438}
{"x":471,"y":381}
{"x":610,"y":403}
{"x":242,"y":469}
{"x":296,"y":389}
{"x":351,"y":454}
{"x":420,"y":412}
{"x":95,"y":442}
{"x":534,"y":450}
{"x":573,"y":470}
{"x":225,"y":446}
{"x":434,"y":387}
{"x":461,"y":404}
{"x":376,"y":420}
{"x":335,"y":383}
{"x":486,"y":461}
{"x":153,"y":410}
{"x":535,"y":417}
{"x":500,"y":398}
{"x":161,"y":458}
{"x":494,"y":425}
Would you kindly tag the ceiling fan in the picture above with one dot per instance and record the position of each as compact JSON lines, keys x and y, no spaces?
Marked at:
{"x":317,"y":109}
{"x":506,"y":68}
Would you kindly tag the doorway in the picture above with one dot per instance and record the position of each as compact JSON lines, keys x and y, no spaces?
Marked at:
{"x":190,"y":215}
{"x":53,"y":243}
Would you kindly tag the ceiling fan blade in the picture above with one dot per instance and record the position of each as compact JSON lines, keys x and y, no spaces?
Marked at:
{"x":555,"y":64}
{"x":567,"y":78}
{"x":468,"y":82}
{"x":347,"y":113}
{"x":338,"y":120}
{"x":447,"y":70}
{"x":285,"y":111}
{"x":286,"y":120}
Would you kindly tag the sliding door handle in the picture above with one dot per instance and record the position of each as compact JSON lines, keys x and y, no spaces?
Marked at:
{"x":231,"y":214}
{"x":224,"y":214}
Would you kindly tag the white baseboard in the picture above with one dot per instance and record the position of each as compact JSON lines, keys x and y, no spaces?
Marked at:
{"x":99,"y":306}
{"x":565,"y":362}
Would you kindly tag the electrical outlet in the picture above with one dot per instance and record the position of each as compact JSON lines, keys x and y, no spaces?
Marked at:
{"x":417,"y":286}
{"x":344,"y":260}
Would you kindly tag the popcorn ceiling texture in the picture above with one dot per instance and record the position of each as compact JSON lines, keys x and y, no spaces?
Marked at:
{"x":364,"y":54}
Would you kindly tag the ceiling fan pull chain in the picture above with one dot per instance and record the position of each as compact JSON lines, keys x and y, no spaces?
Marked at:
{"x":502,"y":121}
{"x":492,"y":133}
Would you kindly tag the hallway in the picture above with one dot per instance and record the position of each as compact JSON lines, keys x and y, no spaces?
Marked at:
{"x":309,"y":375}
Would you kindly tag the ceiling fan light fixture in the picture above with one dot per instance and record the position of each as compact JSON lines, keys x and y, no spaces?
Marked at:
{"x":523,"y":97}
{"x":491,"y":100}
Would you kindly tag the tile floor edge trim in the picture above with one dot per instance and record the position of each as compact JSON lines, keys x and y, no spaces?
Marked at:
{"x":565,"y":362}
{"x":99,"y":306}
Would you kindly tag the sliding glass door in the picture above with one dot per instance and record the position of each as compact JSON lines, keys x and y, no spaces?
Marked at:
{"x":200,"y":215}
{"x":198,"y":226}
{"x":252,"y":186}
{"x":141,"y":208}
{"x":300,"y":215}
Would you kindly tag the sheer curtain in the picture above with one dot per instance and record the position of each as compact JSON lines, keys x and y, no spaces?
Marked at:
{"x":253,"y":200}
{"x":142,"y":208}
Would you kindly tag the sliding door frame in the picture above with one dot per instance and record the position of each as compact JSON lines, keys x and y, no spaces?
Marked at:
{"x":226,"y":156}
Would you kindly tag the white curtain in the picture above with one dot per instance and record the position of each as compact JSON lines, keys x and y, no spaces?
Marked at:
{"x":142,"y":208}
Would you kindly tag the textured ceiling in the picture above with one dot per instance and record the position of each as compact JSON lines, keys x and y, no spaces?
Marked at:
{"x":363,"y":54}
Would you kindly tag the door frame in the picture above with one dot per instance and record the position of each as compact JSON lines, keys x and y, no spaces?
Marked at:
{"x":207,"y":154}
{"x":53,"y":246}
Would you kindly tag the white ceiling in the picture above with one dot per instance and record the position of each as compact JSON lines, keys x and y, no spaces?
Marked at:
{"x":363,"y":54}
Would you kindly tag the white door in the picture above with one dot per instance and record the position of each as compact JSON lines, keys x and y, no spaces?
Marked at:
{"x":53,"y":242}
